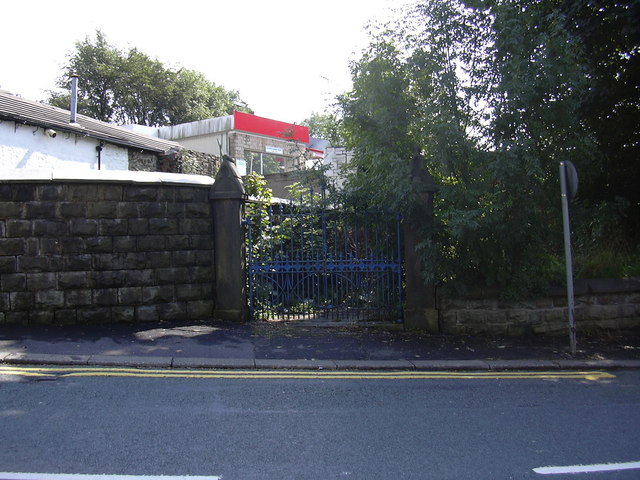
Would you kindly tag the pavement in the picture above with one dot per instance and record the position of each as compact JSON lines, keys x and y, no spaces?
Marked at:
{"x":265,"y":345}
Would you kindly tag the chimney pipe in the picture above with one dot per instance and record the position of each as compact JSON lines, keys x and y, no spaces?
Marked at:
{"x":74,"y":98}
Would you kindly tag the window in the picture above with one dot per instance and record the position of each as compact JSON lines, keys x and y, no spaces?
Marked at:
{"x":264,"y":163}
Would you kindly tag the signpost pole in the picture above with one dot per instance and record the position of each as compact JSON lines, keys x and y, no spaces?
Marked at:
{"x":567,"y":254}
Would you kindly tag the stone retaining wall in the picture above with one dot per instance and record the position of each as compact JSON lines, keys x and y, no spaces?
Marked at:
{"x":197,"y":163}
{"x":278,"y":182}
{"x":183,"y":161}
{"x":105,"y":251}
{"x":600,"y":304}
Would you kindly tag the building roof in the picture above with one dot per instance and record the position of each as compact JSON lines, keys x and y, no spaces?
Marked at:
{"x":21,"y":110}
{"x":197,"y":128}
{"x":240,"y":121}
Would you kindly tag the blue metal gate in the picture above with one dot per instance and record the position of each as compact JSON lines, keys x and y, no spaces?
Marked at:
{"x":322,"y":263}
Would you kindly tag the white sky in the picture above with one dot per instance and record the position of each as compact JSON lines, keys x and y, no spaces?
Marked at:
{"x":286,"y":58}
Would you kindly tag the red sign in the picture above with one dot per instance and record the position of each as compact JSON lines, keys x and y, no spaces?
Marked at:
{"x":271,"y":128}
{"x":316,"y":153}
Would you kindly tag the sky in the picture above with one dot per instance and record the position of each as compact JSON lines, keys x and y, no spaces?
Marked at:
{"x":287,"y":59}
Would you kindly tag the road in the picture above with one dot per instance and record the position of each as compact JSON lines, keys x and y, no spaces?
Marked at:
{"x":312,"y":425}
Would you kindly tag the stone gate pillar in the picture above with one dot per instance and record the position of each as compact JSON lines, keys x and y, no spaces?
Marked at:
{"x":227,"y":200}
{"x":420,"y":307}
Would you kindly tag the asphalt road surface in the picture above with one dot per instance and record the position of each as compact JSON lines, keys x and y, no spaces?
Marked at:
{"x":318,"y":425}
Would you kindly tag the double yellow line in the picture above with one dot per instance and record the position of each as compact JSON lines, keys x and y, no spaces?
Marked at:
{"x":64,"y":372}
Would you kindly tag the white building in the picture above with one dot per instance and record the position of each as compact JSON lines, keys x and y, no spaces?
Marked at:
{"x":256,"y":144}
{"x":38,"y":136}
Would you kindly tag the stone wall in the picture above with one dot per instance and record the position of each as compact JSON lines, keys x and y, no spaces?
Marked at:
{"x":184,"y":161}
{"x":198,"y":163}
{"x":105,"y":251}
{"x":142,"y":161}
{"x":278,"y":182}
{"x":600,"y":304}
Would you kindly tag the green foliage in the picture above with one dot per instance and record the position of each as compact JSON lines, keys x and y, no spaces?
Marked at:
{"x":257,"y":208}
{"x":602,"y":248}
{"x":96,"y":63}
{"x":609,"y":33}
{"x":377,"y":115}
{"x":256,"y":187}
{"x":199,"y":98}
{"x":306,"y":197}
{"x":130,"y":87}
{"x":326,"y":126}
{"x":493,"y":95}
{"x":260,"y":196}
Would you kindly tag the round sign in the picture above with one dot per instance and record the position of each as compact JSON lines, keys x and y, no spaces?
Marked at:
{"x":572,"y":179}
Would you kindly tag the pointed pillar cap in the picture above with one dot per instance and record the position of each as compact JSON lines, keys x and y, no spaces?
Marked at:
{"x":228,"y":183}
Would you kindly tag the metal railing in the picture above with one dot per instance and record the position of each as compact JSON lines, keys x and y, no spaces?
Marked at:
{"x":306,"y":263}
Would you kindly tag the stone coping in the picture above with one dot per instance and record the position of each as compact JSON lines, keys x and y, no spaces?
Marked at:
{"x":581,"y":287}
{"x":102,"y":176}
{"x":305,"y":364}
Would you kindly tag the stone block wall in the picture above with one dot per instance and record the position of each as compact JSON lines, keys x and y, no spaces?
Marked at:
{"x":142,"y":161}
{"x":94,"y":252}
{"x":600,"y":305}
{"x":278,"y":182}
{"x":198,"y":163}
{"x":183,"y":161}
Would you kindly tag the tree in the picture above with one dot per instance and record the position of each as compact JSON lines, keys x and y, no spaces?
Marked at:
{"x":609,"y":33}
{"x":197,"y":98}
{"x":492,"y":95}
{"x":143,"y":91}
{"x":97,"y":64}
{"x":377,"y":115}
{"x":326,"y":126}
{"x":131,"y":87}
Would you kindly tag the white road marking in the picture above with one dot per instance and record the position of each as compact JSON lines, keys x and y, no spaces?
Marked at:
{"x":75,"y":476}
{"x":602,"y":467}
